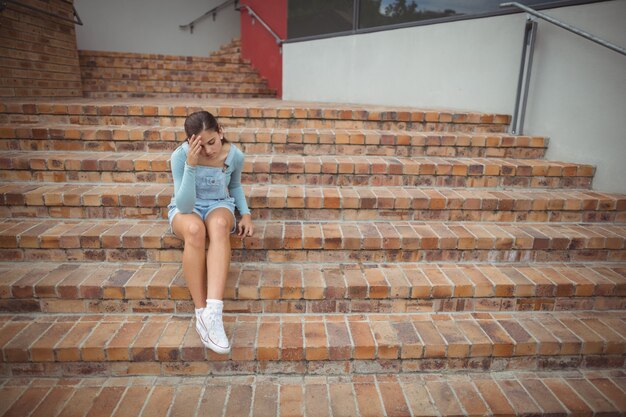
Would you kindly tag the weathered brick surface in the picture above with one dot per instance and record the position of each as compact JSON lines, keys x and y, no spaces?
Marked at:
{"x":269,"y":141}
{"x":310,"y":170}
{"x":38,"y":52}
{"x":223,"y":74}
{"x":319,"y":338}
{"x":405,"y":262}
{"x":258,"y":113}
{"x":376,"y":241}
{"x":301,"y":202}
{"x":375,"y":395}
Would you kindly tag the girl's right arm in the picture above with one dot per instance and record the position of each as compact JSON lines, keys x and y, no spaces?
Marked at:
{"x":184,"y":181}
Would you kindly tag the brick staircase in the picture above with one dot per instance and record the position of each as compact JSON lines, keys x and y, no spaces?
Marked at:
{"x":405,"y":263}
{"x":121,"y":75}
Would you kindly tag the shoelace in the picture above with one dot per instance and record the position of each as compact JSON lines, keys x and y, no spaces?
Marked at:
{"x":216,"y":325}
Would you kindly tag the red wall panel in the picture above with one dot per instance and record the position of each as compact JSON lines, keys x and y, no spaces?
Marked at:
{"x":258,"y":45}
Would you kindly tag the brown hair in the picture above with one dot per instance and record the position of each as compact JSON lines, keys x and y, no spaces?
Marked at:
{"x":200,"y":121}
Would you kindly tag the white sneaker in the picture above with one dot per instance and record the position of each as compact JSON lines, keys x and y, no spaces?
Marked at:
{"x":210,"y":327}
{"x":201,"y":329}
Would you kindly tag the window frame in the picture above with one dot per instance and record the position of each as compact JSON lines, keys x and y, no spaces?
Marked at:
{"x":357,"y":31}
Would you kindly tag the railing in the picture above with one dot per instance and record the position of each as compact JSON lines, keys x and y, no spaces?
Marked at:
{"x":277,"y":38}
{"x":528,"y":48}
{"x":252,"y":13}
{"x":4,"y":4}
{"x":212,"y":12}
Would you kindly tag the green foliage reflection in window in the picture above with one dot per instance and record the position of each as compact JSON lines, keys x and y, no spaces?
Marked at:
{"x":391,"y":12}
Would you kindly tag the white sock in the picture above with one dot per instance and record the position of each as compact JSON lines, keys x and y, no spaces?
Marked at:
{"x":214,"y":306}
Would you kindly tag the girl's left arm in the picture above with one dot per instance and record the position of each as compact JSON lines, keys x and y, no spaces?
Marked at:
{"x":245,"y":226}
{"x":235,"y":188}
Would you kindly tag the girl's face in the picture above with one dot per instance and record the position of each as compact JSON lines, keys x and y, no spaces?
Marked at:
{"x":211,"y":142}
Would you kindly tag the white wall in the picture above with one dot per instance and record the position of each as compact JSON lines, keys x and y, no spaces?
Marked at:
{"x":151,"y":26}
{"x":578,"y":90}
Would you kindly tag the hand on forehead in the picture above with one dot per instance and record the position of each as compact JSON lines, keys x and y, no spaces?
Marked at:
{"x":208,"y":136}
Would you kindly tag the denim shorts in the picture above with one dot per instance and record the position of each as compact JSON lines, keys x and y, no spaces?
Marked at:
{"x":203,"y":207}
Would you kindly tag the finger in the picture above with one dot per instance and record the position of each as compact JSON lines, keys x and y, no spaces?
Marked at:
{"x":250,"y":230}
{"x":196,"y":147}
{"x":239,"y":229}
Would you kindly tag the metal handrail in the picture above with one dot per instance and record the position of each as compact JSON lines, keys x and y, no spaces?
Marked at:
{"x":212,"y":12}
{"x":77,"y":21}
{"x":523,"y":82}
{"x":279,"y":41}
{"x":526,"y":64}
{"x":565,"y":26}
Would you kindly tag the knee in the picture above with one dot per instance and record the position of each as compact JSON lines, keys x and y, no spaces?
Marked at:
{"x":195,"y":235}
{"x":219,"y":227}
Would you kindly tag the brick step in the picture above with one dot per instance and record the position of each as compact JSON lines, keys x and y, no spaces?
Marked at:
{"x":53,"y":287}
{"x":227,"y":50}
{"x":226,"y":63}
{"x":162,"y":87}
{"x":348,"y":343}
{"x":354,"y":170}
{"x":274,"y":141}
{"x":18,"y":83}
{"x":26,"y":67}
{"x":165,"y":94}
{"x":298,"y":202}
{"x":178,"y":84}
{"x":232,"y":46}
{"x":122,"y":75}
{"x":234,"y":50}
{"x":245,"y":113}
{"x":39,"y":75}
{"x":117,"y":74}
{"x":506,"y":394}
{"x":297,"y":241}
{"x":217,"y":67}
{"x":228,"y":54}
{"x":45,"y":92}
{"x":151,"y":61}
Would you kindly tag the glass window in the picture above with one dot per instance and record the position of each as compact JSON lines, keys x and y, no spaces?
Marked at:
{"x":314,"y":17}
{"x":311,"y":18}
{"x":374,"y":13}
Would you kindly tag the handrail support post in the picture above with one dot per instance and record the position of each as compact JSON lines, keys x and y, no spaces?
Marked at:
{"x":528,"y":49}
{"x":525,"y":71}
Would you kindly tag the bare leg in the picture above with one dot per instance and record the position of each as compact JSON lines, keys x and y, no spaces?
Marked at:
{"x":218,"y":223}
{"x":191,"y":229}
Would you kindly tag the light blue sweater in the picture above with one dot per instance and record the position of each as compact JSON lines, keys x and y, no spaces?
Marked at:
{"x":185,"y":179}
